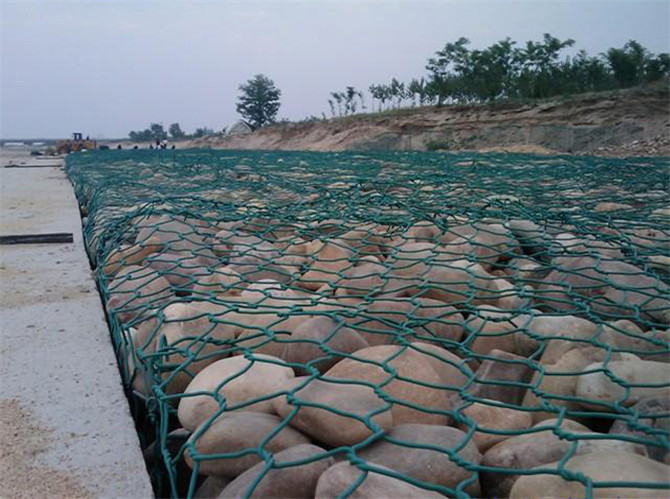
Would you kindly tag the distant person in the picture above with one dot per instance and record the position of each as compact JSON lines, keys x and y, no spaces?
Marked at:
{"x":151,"y":146}
{"x":136,"y":147}
{"x":119,"y":147}
{"x":158,"y":143}
{"x":173,"y":147}
{"x":164,"y":144}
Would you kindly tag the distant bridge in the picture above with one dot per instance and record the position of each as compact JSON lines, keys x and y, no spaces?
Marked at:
{"x":26,"y":142}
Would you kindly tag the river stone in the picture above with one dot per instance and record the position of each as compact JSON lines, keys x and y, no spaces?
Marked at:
{"x":238,"y":431}
{"x":505,"y":367}
{"x":251,"y":269}
{"x":532,"y":237}
{"x":605,"y":207}
{"x":452,"y":370}
{"x":509,"y":298}
{"x":412,"y":367}
{"x":434,"y":321}
{"x":222,"y":281}
{"x":423,"y":231}
{"x":136,"y":291}
{"x":627,"y":336}
{"x":661,"y":352}
{"x":612,"y":289}
{"x":429,"y":466}
{"x":380,"y":322}
{"x":325,"y":425}
{"x":211,"y":487}
{"x":326,"y":264}
{"x":598,"y":387}
{"x":337,"y":479}
{"x":174,"y":441}
{"x":240,"y":381}
{"x":259,"y":253}
{"x":492,"y":417}
{"x":367,"y":240}
{"x":125,"y":256}
{"x":541,"y":448}
{"x":459,"y":283}
{"x":652,"y":424}
{"x":559,"y":382}
{"x":413,"y":259}
{"x":186,"y":327}
{"x":565,"y":424}
{"x":179,"y":234}
{"x":262,"y":342}
{"x":364,"y":280}
{"x":181,"y":270}
{"x":487,"y":243}
{"x":384,"y":320}
{"x":268,"y":328}
{"x":296,"y":481}
{"x":266,"y":289}
{"x":556,"y":331}
{"x":614,"y":466}
{"x":226,"y":239}
{"x":491,"y":328}
{"x":312,"y":337}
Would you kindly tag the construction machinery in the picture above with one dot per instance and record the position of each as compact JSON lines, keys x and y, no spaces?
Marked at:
{"x":75,"y":144}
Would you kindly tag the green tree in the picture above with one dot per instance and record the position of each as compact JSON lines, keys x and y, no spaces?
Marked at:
{"x":657,"y":67}
{"x":377,"y":93}
{"x":586,"y":74}
{"x":417,"y":88}
{"x":202,"y":132}
{"x":157,"y":131}
{"x":338,"y":98}
{"x":633,"y":64}
{"x":446,"y":71}
{"x":176,"y":132}
{"x":540,"y":70}
{"x":259,"y":101}
{"x":141,"y":135}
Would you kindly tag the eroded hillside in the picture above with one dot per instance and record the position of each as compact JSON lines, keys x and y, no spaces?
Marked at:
{"x":631,"y":122}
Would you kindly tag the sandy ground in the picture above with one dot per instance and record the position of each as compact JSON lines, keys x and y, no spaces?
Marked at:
{"x":65,"y":424}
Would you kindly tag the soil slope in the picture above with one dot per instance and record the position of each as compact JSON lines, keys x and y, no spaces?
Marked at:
{"x":630,"y":122}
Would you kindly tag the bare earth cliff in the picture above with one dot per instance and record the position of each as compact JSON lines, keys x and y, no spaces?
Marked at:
{"x":630,"y":122}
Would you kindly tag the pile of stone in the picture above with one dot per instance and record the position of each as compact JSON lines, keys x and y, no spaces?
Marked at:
{"x":657,"y":146}
{"x":494,"y":358}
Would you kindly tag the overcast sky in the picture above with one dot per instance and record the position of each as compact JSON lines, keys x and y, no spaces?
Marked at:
{"x":107,"y":67}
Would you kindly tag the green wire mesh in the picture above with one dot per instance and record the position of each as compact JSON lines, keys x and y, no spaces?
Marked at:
{"x":450,"y":324}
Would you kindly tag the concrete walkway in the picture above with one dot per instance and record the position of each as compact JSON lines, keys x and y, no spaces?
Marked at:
{"x":65,"y":427}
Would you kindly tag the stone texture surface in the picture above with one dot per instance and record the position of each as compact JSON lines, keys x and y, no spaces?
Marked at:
{"x":295,"y":481}
{"x":427,"y":465}
{"x":598,"y":387}
{"x":506,"y":368}
{"x":337,"y":479}
{"x":412,"y":367}
{"x":492,"y":417}
{"x":308,"y":337}
{"x":600,"y":467}
{"x":327,"y":426}
{"x":240,"y":381}
{"x":239,"y":431}
{"x":651,"y":423}
{"x":540,"y":449}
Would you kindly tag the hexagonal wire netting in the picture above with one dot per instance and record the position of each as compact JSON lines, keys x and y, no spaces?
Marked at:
{"x":306,"y":324}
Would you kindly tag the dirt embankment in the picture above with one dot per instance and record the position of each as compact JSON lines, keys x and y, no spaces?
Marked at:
{"x":631,"y":122}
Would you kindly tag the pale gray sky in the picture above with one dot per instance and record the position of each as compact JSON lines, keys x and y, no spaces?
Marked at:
{"x":106,"y":67}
